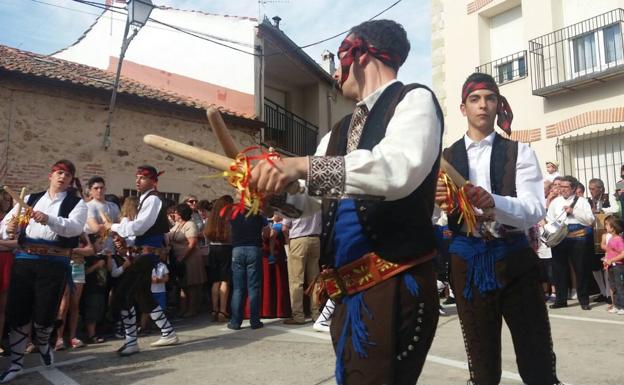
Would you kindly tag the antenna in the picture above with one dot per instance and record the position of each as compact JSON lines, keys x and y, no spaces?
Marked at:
{"x":261,"y":4}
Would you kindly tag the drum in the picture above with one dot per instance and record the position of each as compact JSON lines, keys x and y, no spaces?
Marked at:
{"x":599,"y":230}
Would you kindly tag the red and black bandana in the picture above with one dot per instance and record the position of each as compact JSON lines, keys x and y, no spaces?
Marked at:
{"x":503,"y":111}
{"x":62,"y":167}
{"x":149,"y":172}
{"x":346,"y":54}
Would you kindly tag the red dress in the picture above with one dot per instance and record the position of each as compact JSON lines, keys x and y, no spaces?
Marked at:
{"x":274,"y":292}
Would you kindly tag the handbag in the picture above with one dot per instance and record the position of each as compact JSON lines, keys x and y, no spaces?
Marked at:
{"x":555,"y":232}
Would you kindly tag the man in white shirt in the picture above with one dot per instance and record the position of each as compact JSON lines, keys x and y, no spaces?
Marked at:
{"x":494,"y":270}
{"x":303,"y":262}
{"x":149,"y":228}
{"x":42,"y":263}
{"x":577,"y":213}
{"x":97,"y":207}
{"x":375,"y":172}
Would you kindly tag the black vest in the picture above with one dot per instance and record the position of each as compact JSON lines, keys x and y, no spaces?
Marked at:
{"x":397,"y":230}
{"x":161,"y":226}
{"x":69,"y":202}
{"x":502,"y":168}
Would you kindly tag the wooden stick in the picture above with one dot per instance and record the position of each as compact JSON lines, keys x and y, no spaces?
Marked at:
{"x":222,"y":132}
{"x":452,"y":173}
{"x":460,"y":181}
{"x":17,"y":198}
{"x":198,"y":155}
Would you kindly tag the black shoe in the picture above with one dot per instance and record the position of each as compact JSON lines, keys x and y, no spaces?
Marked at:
{"x":558,"y":305}
{"x":259,"y":325}
{"x":599,"y":298}
{"x":586,"y":307}
{"x":449,"y":301}
{"x":233,"y":327}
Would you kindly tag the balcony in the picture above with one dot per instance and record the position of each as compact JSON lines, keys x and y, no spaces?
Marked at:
{"x":576,"y":56}
{"x":507,"y":69}
{"x":287,"y":131}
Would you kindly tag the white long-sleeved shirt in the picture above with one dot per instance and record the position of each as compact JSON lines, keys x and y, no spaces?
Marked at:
{"x":72,"y":226}
{"x":581,"y":214}
{"x":528,"y":207}
{"x":146,"y":217}
{"x":400,"y":162}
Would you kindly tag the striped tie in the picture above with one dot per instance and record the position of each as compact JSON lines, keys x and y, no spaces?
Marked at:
{"x":356,"y":126}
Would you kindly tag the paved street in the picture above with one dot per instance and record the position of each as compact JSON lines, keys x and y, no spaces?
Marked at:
{"x":588,"y":347}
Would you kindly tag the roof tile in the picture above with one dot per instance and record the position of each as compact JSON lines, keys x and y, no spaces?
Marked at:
{"x":29,"y":63}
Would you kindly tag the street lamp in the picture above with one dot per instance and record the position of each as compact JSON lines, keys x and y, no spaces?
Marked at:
{"x":138,"y":14}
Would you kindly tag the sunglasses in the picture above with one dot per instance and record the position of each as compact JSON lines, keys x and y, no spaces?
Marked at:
{"x":191,"y":201}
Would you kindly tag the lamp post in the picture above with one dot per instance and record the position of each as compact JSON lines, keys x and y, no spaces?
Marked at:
{"x":138,"y":14}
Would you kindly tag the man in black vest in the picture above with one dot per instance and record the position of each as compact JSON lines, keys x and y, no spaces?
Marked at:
{"x":494,"y":270}
{"x":376,"y":174}
{"x":148,"y":228}
{"x":42,"y":263}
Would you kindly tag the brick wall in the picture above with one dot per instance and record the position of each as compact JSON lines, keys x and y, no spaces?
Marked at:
{"x":476,"y":5}
{"x":609,"y":115}
{"x":41,"y":123}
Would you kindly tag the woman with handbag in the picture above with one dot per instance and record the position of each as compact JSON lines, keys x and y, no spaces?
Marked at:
{"x":189,"y":264}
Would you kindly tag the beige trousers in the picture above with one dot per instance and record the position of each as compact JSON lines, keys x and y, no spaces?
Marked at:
{"x":303,"y":267}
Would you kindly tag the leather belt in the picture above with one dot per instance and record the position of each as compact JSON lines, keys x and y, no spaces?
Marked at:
{"x":46,"y":250}
{"x":365,"y":273}
{"x":305,"y":236}
{"x":577,"y":234}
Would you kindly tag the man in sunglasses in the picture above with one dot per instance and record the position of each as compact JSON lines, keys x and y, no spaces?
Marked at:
{"x":376,"y":174}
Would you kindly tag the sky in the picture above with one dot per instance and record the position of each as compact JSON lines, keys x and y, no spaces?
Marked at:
{"x":45,"y":26}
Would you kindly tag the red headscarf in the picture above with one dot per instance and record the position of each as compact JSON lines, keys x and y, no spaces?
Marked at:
{"x":62,"y":167}
{"x":503,"y":111}
{"x":348,"y":47}
{"x":150,"y":172}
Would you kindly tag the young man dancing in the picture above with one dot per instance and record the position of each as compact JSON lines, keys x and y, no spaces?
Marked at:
{"x":148,"y":229}
{"x":376,"y":171}
{"x":494,"y":270}
{"x":42,"y":263}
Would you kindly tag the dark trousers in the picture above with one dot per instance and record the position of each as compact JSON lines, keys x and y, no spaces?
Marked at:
{"x":35,"y":292}
{"x":571,"y":250}
{"x":135,"y":285}
{"x":520,"y":302}
{"x":402,"y":328}
{"x":616,"y":281}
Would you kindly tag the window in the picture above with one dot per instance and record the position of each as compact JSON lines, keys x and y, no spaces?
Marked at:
{"x":595,"y":51}
{"x":584,"y":49}
{"x":511,"y":70}
{"x":166,"y":195}
{"x":612,"y":37}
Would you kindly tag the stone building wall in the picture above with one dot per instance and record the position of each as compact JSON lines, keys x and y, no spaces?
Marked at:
{"x":41,"y":122}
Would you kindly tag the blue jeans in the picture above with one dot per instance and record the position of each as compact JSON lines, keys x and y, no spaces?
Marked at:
{"x":246,"y":276}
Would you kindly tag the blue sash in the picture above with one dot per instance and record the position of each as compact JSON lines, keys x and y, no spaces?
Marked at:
{"x":481,"y":257}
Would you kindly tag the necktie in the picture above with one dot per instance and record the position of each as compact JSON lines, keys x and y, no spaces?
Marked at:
{"x":356,"y":126}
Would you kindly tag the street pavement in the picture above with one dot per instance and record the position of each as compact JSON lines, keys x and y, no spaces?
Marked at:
{"x":588,"y":345}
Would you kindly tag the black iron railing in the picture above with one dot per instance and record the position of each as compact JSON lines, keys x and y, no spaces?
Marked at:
{"x":506,"y":69}
{"x":598,"y":154}
{"x":288,"y":131}
{"x":584,"y":52}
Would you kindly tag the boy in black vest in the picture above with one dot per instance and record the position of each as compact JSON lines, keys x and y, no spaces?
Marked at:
{"x":494,"y":270}
{"x":376,"y":171}
{"x":42,"y":263}
{"x":148,"y":230}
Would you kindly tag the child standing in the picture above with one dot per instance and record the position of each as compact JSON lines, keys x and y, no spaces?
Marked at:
{"x":614,"y":261}
{"x":160,"y":276}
